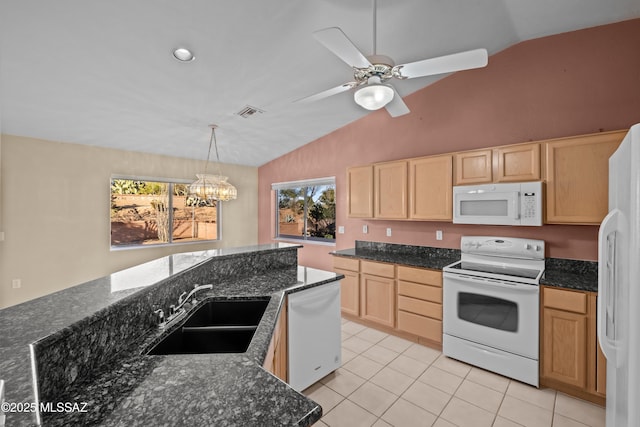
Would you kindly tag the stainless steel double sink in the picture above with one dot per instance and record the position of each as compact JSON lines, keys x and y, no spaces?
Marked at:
{"x":220,"y":326}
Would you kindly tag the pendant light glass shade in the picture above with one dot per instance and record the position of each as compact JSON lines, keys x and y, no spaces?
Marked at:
{"x":213,"y":187}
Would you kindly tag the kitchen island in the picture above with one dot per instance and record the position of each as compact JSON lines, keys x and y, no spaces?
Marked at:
{"x":86,"y":346}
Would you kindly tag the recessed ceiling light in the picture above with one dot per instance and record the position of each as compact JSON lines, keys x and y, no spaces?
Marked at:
{"x":183,"y":55}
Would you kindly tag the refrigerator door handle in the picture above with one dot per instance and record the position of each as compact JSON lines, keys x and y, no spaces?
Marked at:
{"x":606,"y":281}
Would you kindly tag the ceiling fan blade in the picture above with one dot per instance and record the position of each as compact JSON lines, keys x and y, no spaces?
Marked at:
{"x":476,"y":58}
{"x":396,"y":107}
{"x":329,"y":92}
{"x":337,"y":42}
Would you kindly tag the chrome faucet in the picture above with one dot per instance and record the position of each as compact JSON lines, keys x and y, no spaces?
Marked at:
{"x":175,"y":311}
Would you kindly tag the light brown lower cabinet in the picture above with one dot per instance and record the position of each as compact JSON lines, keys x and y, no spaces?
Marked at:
{"x":420,"y":302}
{"x":378,"y":293}
{"x":571,"y":359}
{"x":276,"y":358}
{"x":401,"y":300}
{"x":350,"y":285}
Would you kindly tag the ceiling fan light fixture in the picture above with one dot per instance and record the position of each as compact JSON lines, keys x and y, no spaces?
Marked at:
{"x":373,"y":96}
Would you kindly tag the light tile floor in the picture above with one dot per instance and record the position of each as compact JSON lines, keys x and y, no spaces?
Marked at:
{"x":388,"y":381}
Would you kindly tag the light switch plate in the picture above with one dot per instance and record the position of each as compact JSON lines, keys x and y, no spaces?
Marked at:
{"x":341,"y":229}
{"x":438,"y":234}
{"x":365,"y":229}
{"x":388,"y":232}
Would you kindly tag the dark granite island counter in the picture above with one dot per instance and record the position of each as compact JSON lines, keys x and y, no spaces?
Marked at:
{"x":88,"y":343}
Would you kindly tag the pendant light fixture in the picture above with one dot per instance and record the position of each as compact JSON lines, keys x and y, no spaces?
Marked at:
{"x":213,"y":187}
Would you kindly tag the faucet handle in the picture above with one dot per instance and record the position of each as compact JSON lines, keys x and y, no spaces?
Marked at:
{"x":160,"y":317}
{"x":172,"y":310}
{"x":182,"y":297}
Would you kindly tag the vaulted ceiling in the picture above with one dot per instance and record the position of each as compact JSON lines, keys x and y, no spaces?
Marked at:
{"x":102,"y":72}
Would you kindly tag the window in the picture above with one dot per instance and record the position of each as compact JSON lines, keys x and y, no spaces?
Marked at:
{"x":306,"y":210}
{"x":146,"y":212}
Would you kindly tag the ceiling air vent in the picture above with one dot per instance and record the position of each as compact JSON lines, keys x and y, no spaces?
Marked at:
{"x":249,"y":111}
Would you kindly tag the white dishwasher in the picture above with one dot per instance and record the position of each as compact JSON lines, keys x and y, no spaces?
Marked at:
{"x":314,"y":329}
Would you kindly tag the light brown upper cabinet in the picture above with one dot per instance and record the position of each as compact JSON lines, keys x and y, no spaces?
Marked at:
{"x":360,"y":191}
{"x":577,"y":176}
{"x":516,"y":163}
{"x":473,"y":167}
{"x":430,"y":188}
{"x":512,"y":163}
{"x":390,"y":190}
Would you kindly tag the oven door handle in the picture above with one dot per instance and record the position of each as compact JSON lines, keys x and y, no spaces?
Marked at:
{"x":519,"y":287}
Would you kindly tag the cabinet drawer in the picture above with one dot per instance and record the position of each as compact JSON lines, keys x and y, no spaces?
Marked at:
{"x":418,"y":306}
{"x":565,"y":300}
{"x":420,"y":275}
{"x":420,"y":325}
{"x":350,"y":264}
{"x":378,"y":269}
{"x":425,"y":292}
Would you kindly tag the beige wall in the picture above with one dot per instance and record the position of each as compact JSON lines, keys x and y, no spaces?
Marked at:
{"x":55,"y":213}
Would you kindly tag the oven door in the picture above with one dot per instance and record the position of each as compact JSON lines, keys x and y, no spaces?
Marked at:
{"x":499,"y":314}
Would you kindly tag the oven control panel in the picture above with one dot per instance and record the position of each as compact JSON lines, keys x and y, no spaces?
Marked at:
{"x":503,"y":246}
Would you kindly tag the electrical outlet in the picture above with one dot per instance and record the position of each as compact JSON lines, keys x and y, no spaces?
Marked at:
{"x":365,"y":229}
{"x":16,"y":283}
{"x":388,"y":232}
{"x":341,"y":229}
{"x":438,"y":234}
{"x":1,"y":236}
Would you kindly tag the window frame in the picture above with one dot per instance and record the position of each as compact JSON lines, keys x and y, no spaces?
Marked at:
{"x":171,"y":182}
{"x":276,"y":187}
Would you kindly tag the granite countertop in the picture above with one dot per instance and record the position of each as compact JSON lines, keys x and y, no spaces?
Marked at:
{"x":415,"y":256}
{"x":562,"y":273}
{"x":204,"y":389}
{"x":137,"y":389}
{"x":571,"y":274}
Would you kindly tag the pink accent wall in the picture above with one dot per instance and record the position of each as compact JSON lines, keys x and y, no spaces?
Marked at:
{"x":569,"y":84}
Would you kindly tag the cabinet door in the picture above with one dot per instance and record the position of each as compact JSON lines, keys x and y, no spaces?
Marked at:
{"x":390,"y":190}
{"x":577,"y":176}
{"x":360,"y":192}
{"x":349,"y":292}
{"x":430,"y":188}
{"x":377,"y":299}
{"x":276,"y":358}
{"x":280,"y":362}
{"x":597,"y":362}
{"x":473,"y":167}
{"x":517,"y":163}
{"x":564,"y":355}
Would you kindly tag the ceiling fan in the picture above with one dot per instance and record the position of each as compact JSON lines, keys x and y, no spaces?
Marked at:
{"x":371,"y":73}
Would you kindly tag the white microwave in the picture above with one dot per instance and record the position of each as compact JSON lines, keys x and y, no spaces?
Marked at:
{"x":498,"y":204}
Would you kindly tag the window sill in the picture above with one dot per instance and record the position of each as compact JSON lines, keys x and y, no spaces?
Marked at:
{"x":161,"y":245}
{"x":304,"y":242}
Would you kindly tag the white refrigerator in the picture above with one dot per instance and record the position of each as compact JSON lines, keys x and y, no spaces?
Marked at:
{"x":619,"y":284}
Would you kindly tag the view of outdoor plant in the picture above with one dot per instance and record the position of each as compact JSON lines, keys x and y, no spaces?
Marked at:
{"x":140,"y":214}
{"x":307,"y":213}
